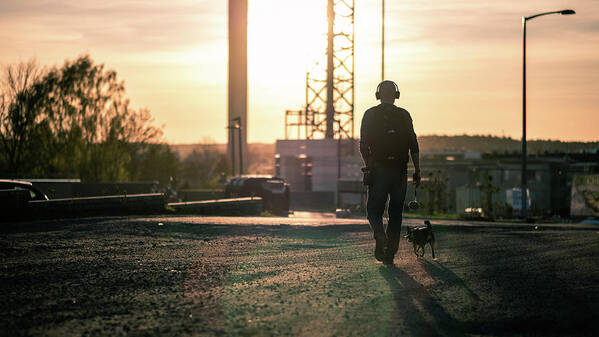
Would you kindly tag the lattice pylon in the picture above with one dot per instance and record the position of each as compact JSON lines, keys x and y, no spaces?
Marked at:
{"x":311,"y":121}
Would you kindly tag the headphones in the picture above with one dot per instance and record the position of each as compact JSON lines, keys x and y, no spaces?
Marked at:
{"x":378,"y":88}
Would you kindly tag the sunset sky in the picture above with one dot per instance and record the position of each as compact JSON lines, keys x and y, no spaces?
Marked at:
{"x":458,"y":62}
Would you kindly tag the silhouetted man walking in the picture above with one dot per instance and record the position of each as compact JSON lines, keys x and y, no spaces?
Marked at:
{"x":387,"y":139}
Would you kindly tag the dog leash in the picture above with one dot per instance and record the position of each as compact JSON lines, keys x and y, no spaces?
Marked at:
{"x":414,"y":204}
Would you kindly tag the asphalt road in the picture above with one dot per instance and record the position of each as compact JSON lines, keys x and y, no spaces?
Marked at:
{"x":306,"y":275}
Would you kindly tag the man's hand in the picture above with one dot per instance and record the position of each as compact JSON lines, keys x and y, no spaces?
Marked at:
{"x":416,"y":178}
{"x":366,"y":178}
{"x":416,"y":160}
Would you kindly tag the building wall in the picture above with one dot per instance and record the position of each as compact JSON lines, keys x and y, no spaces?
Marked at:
{"x":549,"y":177}
{"x":321,"y":162}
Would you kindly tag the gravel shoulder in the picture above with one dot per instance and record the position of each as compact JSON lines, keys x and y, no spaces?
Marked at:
{"x":185,"y":276}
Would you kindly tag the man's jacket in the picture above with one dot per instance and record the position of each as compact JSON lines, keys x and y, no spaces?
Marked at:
{"x":387,"y":136}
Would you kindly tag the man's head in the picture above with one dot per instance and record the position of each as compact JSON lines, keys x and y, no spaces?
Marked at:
{"x":387,"y":91}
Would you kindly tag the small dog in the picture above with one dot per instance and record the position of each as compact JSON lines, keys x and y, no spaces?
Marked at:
{"x":420,"y":236}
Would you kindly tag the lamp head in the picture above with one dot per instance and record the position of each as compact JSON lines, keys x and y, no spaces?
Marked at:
{"x":567,"y":12}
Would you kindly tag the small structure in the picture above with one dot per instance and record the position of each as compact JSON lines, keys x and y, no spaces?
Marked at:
{"x":585,"y":195}
{"x":312,"y":167}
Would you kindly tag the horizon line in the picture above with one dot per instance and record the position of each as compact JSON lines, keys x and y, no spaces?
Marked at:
{"x":425,"y":135}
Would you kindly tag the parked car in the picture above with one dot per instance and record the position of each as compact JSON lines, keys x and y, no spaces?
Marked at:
{"x":35,"y":193}
{"x":274,"y":191}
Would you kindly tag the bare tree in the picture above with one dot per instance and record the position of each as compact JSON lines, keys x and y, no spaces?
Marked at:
{"x":20,"y":76}
{"x":21,"y":98}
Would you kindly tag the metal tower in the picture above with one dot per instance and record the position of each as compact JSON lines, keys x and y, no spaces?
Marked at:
{"x":329,"y":108}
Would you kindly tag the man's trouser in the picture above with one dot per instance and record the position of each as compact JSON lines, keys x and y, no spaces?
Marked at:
{"x":391,"y":182}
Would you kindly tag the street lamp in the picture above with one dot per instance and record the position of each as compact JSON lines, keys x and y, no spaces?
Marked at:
{"x":383,"y":41}
{"x":235,"y":124}
{"x":524,"y":174}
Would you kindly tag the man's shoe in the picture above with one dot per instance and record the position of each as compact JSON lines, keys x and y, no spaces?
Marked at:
{"x":388,"y":260}
{"x":379,"y":250}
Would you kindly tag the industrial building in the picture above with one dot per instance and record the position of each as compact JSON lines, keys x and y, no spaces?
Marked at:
{"x":319,"y":147}
{"x":456,"y":181}
{"x":319,"y":156}
{"x":316,"y":165}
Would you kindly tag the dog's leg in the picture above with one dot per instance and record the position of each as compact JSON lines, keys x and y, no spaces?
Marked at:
{"x":415,"y":248}
{"x":432,"y":243}
{"x":422,"y":251}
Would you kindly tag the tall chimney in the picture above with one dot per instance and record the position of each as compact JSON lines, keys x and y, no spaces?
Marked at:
{"x":238,"y":88}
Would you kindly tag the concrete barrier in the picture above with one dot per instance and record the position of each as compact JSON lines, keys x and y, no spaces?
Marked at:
{"x":200,"y":194}
{"x":16,"y":206}
{"x":73,"y":188}
{"x":107,"y":205}
{"x":236,"y":206}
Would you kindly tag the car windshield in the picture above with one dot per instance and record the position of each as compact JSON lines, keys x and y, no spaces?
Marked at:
{"x":275,"y":186}
{"x":31,"y":192}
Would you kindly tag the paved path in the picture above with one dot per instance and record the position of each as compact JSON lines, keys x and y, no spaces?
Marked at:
{"x":325,"y":219}
{"x":299,"y":276}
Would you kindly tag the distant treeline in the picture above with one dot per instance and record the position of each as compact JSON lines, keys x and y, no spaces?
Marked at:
{"x":494,"y":144}
{"x":261,"y":158}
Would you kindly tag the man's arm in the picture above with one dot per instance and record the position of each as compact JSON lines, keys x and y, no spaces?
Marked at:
{"x":365,"y":138}
{"x":414,"y":151}
{"x":416,"y":161}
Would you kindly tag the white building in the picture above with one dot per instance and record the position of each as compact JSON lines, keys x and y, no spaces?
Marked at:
{"x":316,"y":165}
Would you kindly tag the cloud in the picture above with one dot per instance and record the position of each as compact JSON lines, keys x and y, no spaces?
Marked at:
{"x":125,"y":26}
{"x":445,"y":22}
{"x":444,"y":52}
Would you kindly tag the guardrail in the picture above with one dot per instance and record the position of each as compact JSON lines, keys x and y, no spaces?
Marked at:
{"x":16,"y":206}
{"x":237,"y":206}
{"x":152,"y":203}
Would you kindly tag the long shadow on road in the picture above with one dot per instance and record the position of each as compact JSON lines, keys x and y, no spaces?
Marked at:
{"x":441,"y":273}
{"x":418,"y":312}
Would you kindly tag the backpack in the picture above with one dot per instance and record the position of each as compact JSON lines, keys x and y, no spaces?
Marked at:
{"x":390,"y":136}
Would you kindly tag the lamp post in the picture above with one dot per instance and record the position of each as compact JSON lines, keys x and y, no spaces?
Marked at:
{"x":524,"y":173}
{"x":339,"y":162}
{"x":383,"y":41}
{"x":235,"y":124}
